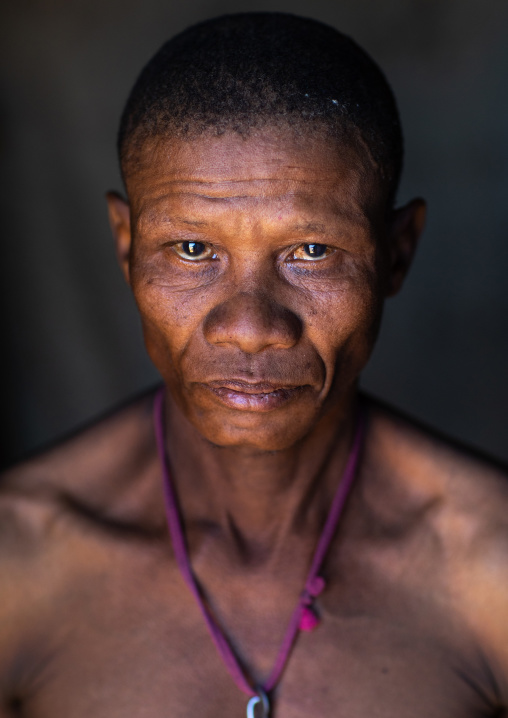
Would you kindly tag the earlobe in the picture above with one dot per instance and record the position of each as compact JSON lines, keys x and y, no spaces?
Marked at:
{"x":119,"y":220}
{"x":405,"y":230}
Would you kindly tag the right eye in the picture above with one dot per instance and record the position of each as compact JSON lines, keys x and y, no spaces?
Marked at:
{"x":312,"y":252}
{"x":194,"y":251}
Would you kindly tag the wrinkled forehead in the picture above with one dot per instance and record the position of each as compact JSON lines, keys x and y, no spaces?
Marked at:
{"x":265,"y":165}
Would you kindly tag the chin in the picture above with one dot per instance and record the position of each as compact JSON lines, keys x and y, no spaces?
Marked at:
{"x":259,"y":433}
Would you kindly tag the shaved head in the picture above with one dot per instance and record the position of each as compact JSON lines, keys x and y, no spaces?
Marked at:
{"x":240,"y":73}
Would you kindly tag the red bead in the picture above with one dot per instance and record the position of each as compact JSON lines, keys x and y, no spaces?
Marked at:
{"x":309,"y":620}
{"x":316,"y":586}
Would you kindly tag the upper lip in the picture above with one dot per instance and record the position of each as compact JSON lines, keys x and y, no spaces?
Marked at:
{"x":247,"y":387}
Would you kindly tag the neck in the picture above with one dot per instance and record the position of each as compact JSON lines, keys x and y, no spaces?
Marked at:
{"x":256,"y":498}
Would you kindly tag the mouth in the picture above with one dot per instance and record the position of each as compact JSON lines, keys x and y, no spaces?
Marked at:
{"x":258,"y":396}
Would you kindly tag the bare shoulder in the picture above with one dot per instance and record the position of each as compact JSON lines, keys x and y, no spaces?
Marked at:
{"x":458,"y":500}
{"x":100,"y":461}
{"x":100,"y":477}
{"x":429,"y":462}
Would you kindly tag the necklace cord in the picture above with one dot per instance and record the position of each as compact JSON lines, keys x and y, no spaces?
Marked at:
{"x":313,"y":585}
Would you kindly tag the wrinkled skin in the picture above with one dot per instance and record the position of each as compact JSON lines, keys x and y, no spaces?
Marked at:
{"x":254,"y":307}
{"x":260,"y":266}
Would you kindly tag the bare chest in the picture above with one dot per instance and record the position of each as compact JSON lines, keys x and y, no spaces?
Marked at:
{"x":140,"y":649}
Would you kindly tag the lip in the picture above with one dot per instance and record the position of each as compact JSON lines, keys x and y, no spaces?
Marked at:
{"x":253,"y":396}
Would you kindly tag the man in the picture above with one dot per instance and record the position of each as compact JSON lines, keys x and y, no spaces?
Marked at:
{"x":261,"y":155}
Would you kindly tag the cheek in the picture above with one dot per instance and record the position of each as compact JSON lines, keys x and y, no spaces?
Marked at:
{"x":343,"y":324}
{"x":169,"y":316}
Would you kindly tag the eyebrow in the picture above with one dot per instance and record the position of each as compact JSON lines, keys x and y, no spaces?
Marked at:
{"x":305,"y":227}
{"x":190,"y":222}
{"x":314,"y":227}
{"x":152,"y":215}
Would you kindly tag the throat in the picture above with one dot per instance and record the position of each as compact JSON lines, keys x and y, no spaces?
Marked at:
{"x":255,"y":503}
{"x":304,"y":617}
{"x":255,"y":508}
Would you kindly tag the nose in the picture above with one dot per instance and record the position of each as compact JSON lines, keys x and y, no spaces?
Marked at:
{"x":252,"y":322}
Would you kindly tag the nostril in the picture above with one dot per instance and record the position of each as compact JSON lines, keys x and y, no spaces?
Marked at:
{"x":252,"y":323}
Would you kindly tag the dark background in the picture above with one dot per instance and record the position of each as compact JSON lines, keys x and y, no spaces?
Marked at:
{"x":71,"y":343}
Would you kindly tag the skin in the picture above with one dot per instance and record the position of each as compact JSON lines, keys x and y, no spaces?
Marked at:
{"x":260,"y":345}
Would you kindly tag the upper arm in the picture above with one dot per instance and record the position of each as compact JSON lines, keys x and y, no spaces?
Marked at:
{"x":21,"y":585}
{"x":483,"y":590}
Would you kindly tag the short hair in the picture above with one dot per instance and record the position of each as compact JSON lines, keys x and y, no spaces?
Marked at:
{"x":238,"y":72}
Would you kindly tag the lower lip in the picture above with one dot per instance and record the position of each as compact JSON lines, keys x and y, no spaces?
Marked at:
{"x":255,"y":402}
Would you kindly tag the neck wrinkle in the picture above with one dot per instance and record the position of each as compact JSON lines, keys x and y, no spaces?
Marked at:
{"x":254,"y":500}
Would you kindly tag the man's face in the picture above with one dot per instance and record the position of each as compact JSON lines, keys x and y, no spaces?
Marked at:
{"x":259,"y":267}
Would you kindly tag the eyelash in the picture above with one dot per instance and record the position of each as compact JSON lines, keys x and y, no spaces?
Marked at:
{"x":327,"y":251}
{"x":187,"y":255}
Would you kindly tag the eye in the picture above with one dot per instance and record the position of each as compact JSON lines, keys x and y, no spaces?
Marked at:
{"x":194,"y":251}
{"x":312,"y":252}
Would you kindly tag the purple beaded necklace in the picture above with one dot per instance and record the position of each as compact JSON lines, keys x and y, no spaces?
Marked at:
{"x":303,"y":618}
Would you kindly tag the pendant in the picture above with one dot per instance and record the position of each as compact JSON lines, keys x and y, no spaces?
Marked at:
{"x":258,"y":706}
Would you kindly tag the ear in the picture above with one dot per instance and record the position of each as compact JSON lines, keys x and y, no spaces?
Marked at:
{"x":404,"y":231}
{"x":120,"y":221}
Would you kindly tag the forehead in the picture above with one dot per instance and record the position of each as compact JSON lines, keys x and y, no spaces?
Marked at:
{"x":266,"y":171}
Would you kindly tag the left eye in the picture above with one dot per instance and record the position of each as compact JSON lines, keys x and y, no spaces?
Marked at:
{"x":194,"y":250}
{"x":312,"y":252}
